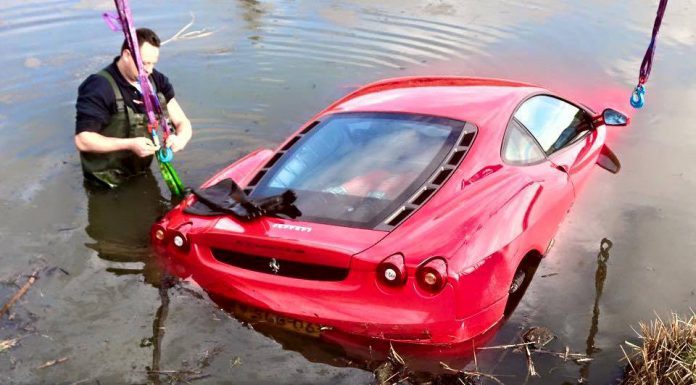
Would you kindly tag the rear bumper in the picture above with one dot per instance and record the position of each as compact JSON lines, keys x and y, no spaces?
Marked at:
{"x":356,"y":305}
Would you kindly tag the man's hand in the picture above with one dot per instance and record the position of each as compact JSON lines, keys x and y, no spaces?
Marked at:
{"x":182,"y":127}
{"x":176,"y":143}
{"x":143,"y":147}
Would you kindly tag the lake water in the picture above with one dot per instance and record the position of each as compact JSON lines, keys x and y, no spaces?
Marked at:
{"x":265,"y":69}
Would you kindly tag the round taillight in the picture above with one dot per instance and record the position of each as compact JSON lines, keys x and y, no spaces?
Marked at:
{"x":159,"y":233}
{"x":392,"y":270}
{"x":430,"y":278}
{"x":432,"y":275}
{"x":179,"y":240}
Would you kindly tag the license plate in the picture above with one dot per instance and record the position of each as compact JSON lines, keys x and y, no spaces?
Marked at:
{"x":257,"y":317}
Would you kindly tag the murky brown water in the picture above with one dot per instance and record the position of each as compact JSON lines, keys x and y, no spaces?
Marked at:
{"x":267,"y":67}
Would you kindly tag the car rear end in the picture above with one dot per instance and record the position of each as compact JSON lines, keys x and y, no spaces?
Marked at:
{"x":305,"y":271}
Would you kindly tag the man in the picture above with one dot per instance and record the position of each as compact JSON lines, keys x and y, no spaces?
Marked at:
{"x":111,"y":124}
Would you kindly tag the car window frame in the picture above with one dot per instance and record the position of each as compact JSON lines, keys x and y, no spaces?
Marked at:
{"x":567,"y":145}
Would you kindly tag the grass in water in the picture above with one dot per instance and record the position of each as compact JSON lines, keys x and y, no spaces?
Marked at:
{"x":668,"y":354}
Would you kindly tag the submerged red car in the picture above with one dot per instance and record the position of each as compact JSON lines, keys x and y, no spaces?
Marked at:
{"x":420,"y":207}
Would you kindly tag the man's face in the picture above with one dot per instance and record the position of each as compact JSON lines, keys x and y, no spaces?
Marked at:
{"x":149,"y":55}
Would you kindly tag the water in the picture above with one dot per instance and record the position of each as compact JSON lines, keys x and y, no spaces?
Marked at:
{"x":268,"y":67}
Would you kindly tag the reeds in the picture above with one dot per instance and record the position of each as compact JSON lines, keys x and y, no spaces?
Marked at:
{"x":668,"y":354}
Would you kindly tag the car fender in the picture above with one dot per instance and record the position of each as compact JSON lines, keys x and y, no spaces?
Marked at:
{"x":486,"y":261}
{"x":243,"y":169}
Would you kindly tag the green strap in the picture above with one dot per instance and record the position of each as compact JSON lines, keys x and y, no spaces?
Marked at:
{"x":171,"y":178}
{"x":120,"y":105}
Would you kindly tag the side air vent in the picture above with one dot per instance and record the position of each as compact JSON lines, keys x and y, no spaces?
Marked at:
{"x":276,"y":157}
{"x":441,"y":175}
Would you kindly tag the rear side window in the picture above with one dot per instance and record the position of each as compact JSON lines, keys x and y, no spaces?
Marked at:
{"x":519,"y":147}
{"x":553,"y":122}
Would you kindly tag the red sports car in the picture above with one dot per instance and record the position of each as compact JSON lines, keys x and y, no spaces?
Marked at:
{"x":413,"y":209}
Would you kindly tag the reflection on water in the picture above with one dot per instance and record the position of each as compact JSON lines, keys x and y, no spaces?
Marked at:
{"x":267,"y":68}
{"x":600,"y":277}
{"x":158,"y":328}
{"x":119,"y":221}
{"x":338,"y":349}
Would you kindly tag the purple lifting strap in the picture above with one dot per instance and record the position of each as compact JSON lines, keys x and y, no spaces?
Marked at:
{"x":646,"y":66}
{"x":111,"y":19}
{"x":638,"y":94}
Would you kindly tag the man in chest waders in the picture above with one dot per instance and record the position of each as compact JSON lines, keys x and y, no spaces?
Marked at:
{"x":111,"y":124}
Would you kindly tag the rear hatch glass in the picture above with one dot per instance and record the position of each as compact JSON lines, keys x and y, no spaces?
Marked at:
{"x":354,"y":169}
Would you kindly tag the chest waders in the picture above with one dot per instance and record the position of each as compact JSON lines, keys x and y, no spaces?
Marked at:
{"x":112,"y":169}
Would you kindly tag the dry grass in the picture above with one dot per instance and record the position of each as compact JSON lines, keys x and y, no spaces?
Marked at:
{"x":668,"y":354}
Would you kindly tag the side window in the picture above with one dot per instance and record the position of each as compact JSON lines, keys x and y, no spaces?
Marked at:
{"x":520,"y":148}
{"x":553,"y":122}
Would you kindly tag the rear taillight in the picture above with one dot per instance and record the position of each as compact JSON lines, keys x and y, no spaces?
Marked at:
{"x":179,"y":240}
{"x":159,"y":233}
{"x":392,"y":271}
{"x":432,"y":275}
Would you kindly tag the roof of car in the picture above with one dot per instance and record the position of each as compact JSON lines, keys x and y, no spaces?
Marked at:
{"x":470,"y":99}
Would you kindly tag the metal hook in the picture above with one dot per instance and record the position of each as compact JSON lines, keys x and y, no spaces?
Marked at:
{"x":638,"y":96}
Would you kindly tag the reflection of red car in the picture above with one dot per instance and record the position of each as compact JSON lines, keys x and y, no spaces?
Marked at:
{"x":421,"y":205}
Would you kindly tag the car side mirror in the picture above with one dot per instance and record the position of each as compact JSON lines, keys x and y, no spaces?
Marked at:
{"x":612,"y":117}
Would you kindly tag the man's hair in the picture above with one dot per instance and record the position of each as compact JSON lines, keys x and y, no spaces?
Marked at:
{"x":144,"y":35}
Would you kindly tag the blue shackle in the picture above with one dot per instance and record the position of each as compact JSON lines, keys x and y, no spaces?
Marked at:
{"x":165,"y":155}
{"x":638,"y":96}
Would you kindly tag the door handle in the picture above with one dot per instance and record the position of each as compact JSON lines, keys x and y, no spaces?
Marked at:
{"x":562,"y":168}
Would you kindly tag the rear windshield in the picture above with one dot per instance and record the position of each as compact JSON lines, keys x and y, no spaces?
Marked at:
{"x":354,"y":169}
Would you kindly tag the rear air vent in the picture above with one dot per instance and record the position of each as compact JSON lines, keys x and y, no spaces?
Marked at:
{"x":257,"y":178}
{"x":290,"y":143}
{"x":423,"y":195}
{"x":276,"y":157}
{"x":467,"y":139}
{"x":400,"y":216}
{"x":456,"y":157}
{"x":276,"y":266}
{"x":309,"y":127}
{"x":441,"y":175}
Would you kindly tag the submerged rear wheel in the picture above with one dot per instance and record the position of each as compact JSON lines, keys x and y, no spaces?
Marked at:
{"x":520,"y":281}
{"x":517,"y":281}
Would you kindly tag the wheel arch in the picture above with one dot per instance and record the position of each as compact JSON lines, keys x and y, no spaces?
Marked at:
{"x":528,"y":265}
